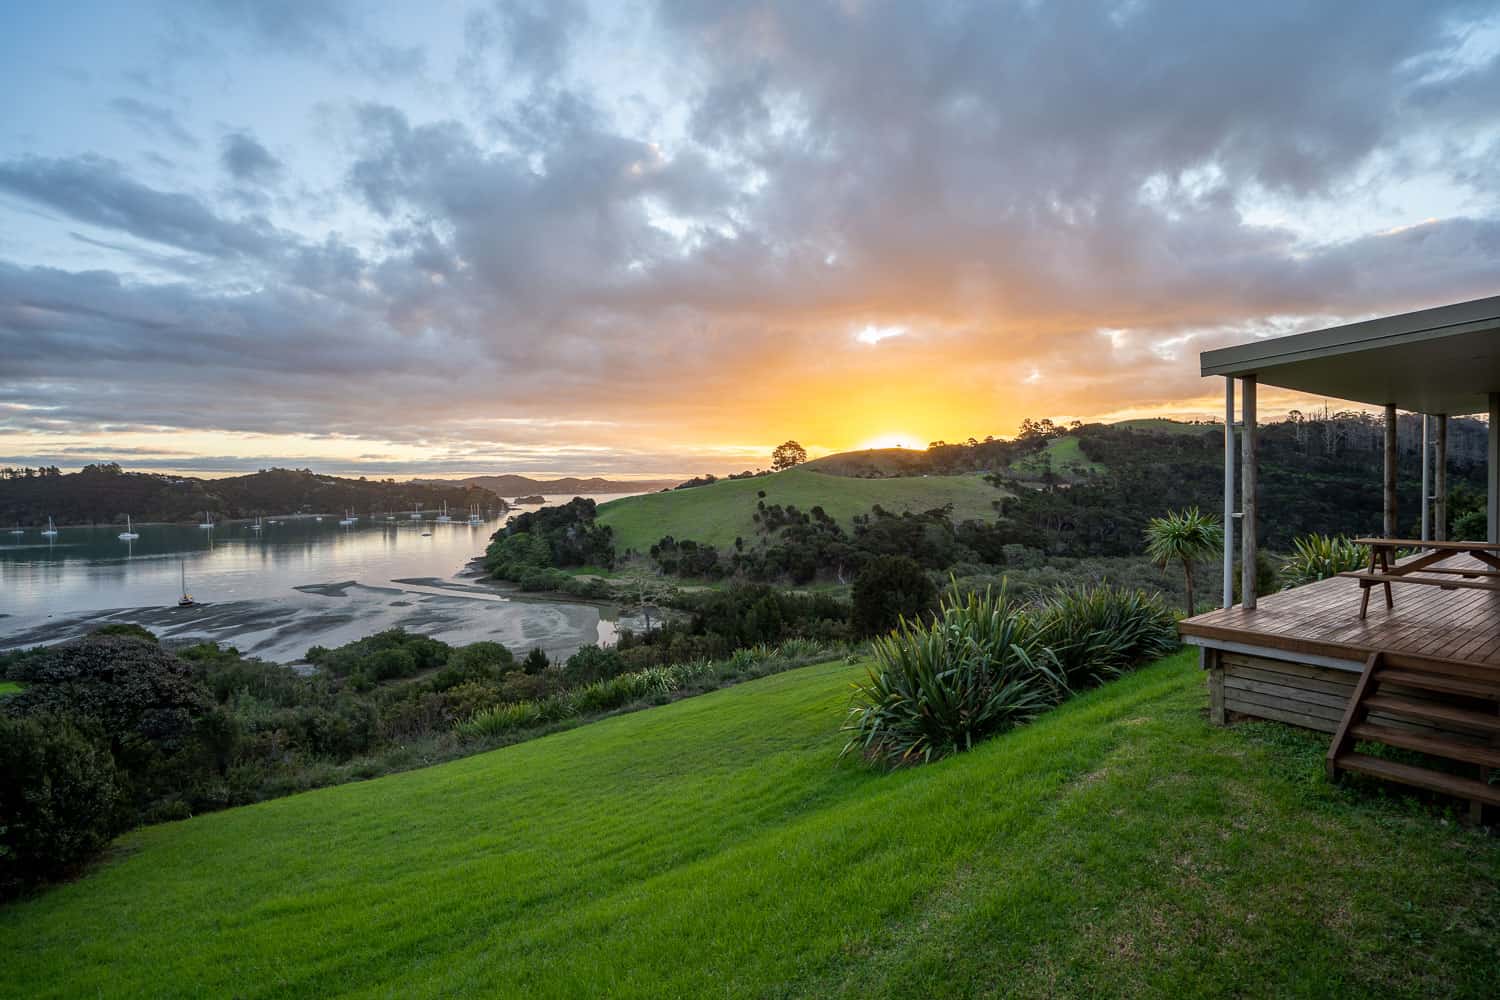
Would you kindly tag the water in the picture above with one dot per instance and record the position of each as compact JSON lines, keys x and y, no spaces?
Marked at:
{"x":277,"y":591}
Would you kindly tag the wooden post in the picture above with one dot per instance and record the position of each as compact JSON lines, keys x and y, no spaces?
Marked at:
{"x":1440,"y":481}
{"x":1390,"y":470}
{"x":1228,"y":492}
{"x":1215,"y":668}
{"x":1247,"y":496}
{"x":1493,"y":457}
{"x":1426,"y":485}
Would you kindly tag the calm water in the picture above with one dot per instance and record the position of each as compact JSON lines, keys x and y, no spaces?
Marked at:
{"x":275,"y":592}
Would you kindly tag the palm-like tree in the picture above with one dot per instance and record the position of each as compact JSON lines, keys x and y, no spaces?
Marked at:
{"x":1184,"y":536}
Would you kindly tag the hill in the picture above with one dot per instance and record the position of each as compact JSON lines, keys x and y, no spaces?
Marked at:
{"x":1062,"y":457}
{"x":106,"y":493}
{"x":517,"y":486}
{"x":1117,"y":846}
{"x":720,"y":512}
{"x":873,"y":462}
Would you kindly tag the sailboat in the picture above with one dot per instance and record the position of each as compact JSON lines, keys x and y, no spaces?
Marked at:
{"x":18,"y":530}
{"x":51,"y":531}
{"x":416,"y":515}
{"x":474,"y":517}
{"x":259,"y":524}
{"x":208,"y":520}
{"x":443,"y":517}
{"x":186,"y":600}
{"x":347,"y":520}
{"x":129,"y":534}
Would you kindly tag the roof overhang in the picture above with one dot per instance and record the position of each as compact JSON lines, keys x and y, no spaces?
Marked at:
{"x":1443,"y":360}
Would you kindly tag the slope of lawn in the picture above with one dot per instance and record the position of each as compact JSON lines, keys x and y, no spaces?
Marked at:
{"x":8,"y":687}
{"x":1165,"y":425}
{"x":717,"y":514}
{"x":1118,"y":846}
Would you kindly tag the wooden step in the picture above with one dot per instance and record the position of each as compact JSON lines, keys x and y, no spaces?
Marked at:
{"x":1480,"y":672}
{"x":1432,"y":712}
{"x":1420,"y":777}
{"x":1437,"y":746}
{"x":1440,"y":682}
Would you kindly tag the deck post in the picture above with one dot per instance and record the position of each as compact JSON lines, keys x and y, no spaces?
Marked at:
{"x":1426,"y":483}
{"x":1440,"y":481}
{"x":1390,"y":471}
{"x":1493,"y":456}
{"x":1228,"y":492}
{"x":1247,"y":496}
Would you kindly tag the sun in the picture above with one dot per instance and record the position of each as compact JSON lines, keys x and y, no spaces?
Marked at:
{"x":893,"y":440}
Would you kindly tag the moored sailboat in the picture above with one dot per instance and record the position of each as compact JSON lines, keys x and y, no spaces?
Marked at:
{"x":129,"y":534}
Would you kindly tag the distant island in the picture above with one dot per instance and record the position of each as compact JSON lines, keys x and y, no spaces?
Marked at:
{"x":538,"y":498}
{"x":526,"y":487}
{"x":105,"y":493}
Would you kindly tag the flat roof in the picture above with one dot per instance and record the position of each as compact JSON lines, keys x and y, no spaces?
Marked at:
{"x":1442,"y":360}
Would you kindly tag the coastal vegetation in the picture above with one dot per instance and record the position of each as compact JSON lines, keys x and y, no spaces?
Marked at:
{"x":105,"y":493}
{"x":1118,"y":845}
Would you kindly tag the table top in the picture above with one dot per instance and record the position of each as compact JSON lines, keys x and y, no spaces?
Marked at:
{"x":1417,"y":543}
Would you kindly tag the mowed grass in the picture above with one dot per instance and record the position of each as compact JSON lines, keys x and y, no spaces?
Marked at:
{"x":8,"y":687}
{"x":719,"y":513}
{"x":1118,"y":846}
{"x":1164,"y":425}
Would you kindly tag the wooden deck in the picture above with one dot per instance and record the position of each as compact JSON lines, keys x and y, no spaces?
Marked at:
{"x":1322,"y":620}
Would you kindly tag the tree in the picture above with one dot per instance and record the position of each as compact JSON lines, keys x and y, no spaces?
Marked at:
{"x":888,"y":589}
{"x":1183,"y":537}
{"x":787,"y":455}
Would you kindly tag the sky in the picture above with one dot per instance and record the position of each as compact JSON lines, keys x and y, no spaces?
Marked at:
{"x":633,"y":238}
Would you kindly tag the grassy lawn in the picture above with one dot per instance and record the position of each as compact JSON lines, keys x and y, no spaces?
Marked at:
{"x":8,"y":687}
{"x":1118,"y":846}
{"x":717,"y":514}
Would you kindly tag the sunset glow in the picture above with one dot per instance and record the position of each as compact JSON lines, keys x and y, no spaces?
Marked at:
{"x":434,"y":246}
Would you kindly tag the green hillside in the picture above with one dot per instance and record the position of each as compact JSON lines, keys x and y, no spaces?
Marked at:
{"x":1163,"y":425}
{"x":1118,"y":846}
{"x":1063,"y":455}
{"x":718,"y":513}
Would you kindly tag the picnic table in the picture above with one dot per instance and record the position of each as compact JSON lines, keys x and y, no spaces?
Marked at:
{"x":1425,"y":568}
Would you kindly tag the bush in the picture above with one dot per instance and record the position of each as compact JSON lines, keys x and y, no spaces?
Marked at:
{"x":1317,"y":557}
{"x":1099,"y":632}
{"x":59,"y":800}
{"x":938,"y":687}
{"x":889,"y":589}
{"x":592,"y":664}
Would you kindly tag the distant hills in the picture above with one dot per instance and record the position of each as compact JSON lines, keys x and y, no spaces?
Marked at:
{"x":518,"y":486}
{"x":106,"y":493}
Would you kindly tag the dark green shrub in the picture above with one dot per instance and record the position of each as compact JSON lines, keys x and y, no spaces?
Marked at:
{"x":59,"y":800}
{"x":888,"y":589}
{"x":536,"y":661}
{"x":937,"y":687}
{"x":1101,"y":631}
{"x":126,"y":629}
{"x":1318,"y":557}
{"x":592,"y":664}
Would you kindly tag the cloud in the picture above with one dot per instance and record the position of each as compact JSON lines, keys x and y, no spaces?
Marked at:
{"x":160,"y":122}
{"x":688,"y":222}
{"x":247,"y":161}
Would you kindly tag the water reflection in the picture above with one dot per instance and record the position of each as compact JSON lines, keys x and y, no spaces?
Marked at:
{"x":293,"y":583}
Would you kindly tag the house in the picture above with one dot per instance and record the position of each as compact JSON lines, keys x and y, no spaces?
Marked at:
{"x":1419,"y":666}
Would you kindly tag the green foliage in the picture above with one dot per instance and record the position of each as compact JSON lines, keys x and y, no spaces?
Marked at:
{"x":1097,"y":632}
{"x":384,"y":656}
{"x":536,"y":661}
{"x":938,"y":687}
{"x":1184,"y":537}
{"x":592,"y":664}
{"x":889,"y":589}
{"x":1318,"y":557}
{"x":549,"y":539}
{"x":986,"y":664}
{"x":127,"y":629}
{"x":59,"y":800}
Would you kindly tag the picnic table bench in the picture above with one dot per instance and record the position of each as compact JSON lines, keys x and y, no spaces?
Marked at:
{"x":1384,"y":570}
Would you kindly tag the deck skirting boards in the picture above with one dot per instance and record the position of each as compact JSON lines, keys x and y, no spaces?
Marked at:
{"x":1256,"y":686}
